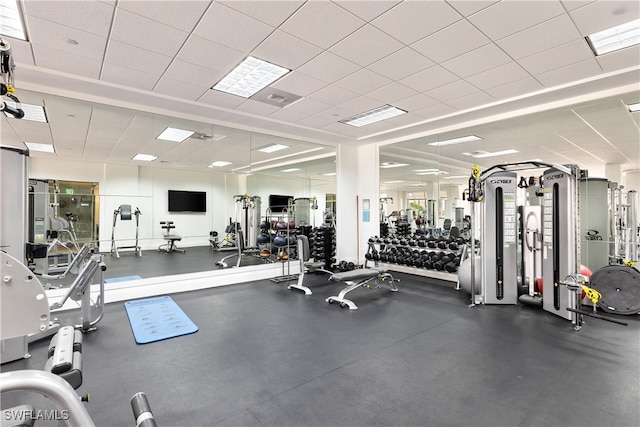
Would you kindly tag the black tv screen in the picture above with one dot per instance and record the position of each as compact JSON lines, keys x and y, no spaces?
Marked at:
{"x":278,"y":203}
{"x":187,"y":201}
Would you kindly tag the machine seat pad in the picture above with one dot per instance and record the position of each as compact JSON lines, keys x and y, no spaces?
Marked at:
{"x":172,"y":237}
{"x":362,"y":273}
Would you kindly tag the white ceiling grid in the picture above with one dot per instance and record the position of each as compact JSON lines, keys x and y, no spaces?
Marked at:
{"x":432,"y":58}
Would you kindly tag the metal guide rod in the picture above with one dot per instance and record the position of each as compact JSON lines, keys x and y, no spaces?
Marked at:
{"x":473,"y":256}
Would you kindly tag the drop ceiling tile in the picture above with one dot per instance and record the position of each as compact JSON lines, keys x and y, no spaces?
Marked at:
{"x":65,"y":61}
{"x":333,"y":95}
{"x":221,"y":99}
{"x":575,"y":4}
{"x":629,"y":57}
{"x":193,"y":74}
{"x":209,"y":54}
{"x":452,"y":90}
{"x":220,"y":24}
{"x":570,"y":73}
{"x":508,"y":17}
{"x":410,"y":21}
{"x":128,"y":77}
{"x":150,"y":35}
{"x":477,"y":61}
{"x":517,"y":88}
{"x":299,"y":83}
{"x":541,"y":37}
{"x":90,"y":16}
{"x":136,"y":58}
{"x":328,"y":67}
{"x":297,"y":51}
{"x":321,"y":23}
{"x":363,"y":81}
{"x":429,"y":79}
{"x":367,"y":10}
{"x":469,"y":7}
{"x":557,"y":57}
{"x":600,"y":15}
{"x":392,"y":92}
{"x":435,"y":111}
{"x":287,"y":115}
{"x":179,"y":89}
{"x":308,"y":106}
{"x":415,"y":102}
{"x":273,"y":13}
{"x":337,"y":113}
{"x":22,"y":52}
{"x":498,"y":76}
{"x":55,"y":36}
{"x":361,"y":104}
{"x":183,"y":14}
{"x":401,"y":63}
{"x":365,"y":46}
{"x":315,"y":122}
{"x":454,"y":40}
{"x":473,"y":100}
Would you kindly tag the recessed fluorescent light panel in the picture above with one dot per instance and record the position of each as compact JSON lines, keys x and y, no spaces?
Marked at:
{"x":36,"y":146}
{"x":484,"y":155}
{"x":219,"y":164}
{"x":34,"y":113}
{"x":453,"y":141}
{"x":144,"y":157}
{"x":425,"y":170}
{"x":372,"y":116}
{"x":251,"y":76}
{"x":290,"y":170}
{"x":393,"y":182}
{"x":272,"y":148}
{"x":175,"y":135}
{"x":634,"y":107}
{"x":387,"y":165}
{"x":329,"y":174}
{"x":456,"y":176}
{"x":10,"y":20}
{"x":615,"y":38}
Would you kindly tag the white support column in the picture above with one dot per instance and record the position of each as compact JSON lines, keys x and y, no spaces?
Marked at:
{"x":357,"y":179}
{"x":613,"y":173}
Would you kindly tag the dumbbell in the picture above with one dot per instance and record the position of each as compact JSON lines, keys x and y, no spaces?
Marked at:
{"x":442,"y":244}
{"x":450,"y":267}
{"x":438,"y":265}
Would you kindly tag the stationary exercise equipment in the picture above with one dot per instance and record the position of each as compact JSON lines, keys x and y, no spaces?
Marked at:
{"x":7,"y":85}
{"x":242,"y":234}
{"x":170,"y":238}
{"x":307,"y":265}
{"x":370,"y":278}
{"x":125,"y":214}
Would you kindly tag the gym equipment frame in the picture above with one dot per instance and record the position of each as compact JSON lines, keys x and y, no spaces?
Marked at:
{"x":124,"y":211}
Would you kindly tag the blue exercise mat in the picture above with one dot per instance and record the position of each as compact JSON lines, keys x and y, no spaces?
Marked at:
{"x":157,"y":318}
{"x":122,"y":279}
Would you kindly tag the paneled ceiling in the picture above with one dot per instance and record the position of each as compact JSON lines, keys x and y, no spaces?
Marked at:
{"x":520,"y":74}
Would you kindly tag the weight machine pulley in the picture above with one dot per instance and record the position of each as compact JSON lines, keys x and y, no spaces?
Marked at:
{"x":7,"y":88}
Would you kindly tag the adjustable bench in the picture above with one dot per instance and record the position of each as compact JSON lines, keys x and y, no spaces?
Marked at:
{"x":358,"y":278}
{"x":170,"y":238}
{"x":306,"y":265}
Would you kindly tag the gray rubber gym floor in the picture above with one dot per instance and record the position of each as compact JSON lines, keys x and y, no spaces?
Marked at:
{"x":267,"y":356}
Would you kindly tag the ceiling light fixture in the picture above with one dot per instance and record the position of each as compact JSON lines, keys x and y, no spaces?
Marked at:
{"x":425,"y":170}
{"x":634,"y":107}
{"x":436,"y":172}
{"x":272,"y":148}
{"x":36,"y":146}
{"x":455,"y":177}
{"x":615,"y":38}
{"x":219,"y":164}
{"x":11,"y":20}
{"x":372,"y":116}
{"x":34,"y":113}
{"x":393,"y":182}
{"x":251,"y":76}
{"x":484,"y":155}
{"x":144,"y":157}
{"x":453,"y":141}
{"x":329,"y":174}
{"x":175,"y":135}
{"x":290,"y":170}
{"x":387,"y":165}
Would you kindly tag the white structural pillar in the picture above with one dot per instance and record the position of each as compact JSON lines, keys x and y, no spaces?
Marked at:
{"x":357,"y":204}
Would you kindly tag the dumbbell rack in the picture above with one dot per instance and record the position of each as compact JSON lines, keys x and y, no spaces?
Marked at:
{"x":418,"y":271}
{"x":323,"y":245}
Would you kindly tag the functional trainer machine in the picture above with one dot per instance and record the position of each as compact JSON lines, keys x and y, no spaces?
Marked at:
{"x":7,"y":88}
{"x":124,"y":211}
{"x":245,"y":229}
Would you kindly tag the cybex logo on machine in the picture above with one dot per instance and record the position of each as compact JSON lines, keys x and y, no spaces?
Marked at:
{"x":501,"y":181}
{"x":552,"y":177}
{"x":592,"y":235}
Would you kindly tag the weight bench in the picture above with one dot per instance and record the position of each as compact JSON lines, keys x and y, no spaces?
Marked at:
{"x":171,"y":239}
{"x":355,"y":279}
{"x":306,"y":265}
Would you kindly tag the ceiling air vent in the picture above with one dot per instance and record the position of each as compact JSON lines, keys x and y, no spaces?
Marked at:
{"x":276,"y":97}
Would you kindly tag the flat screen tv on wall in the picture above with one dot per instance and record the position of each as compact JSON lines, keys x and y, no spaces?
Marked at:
{"x":278,"y":203}
{"x":187,"y":201}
